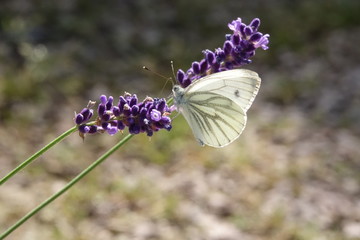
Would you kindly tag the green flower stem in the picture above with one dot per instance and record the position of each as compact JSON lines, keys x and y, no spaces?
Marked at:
{"x":170,"y":101}
{"x":67,"y":187}
{"x":37,"y":154}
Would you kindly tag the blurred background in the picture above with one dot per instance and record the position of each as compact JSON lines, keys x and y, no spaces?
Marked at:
{"x":292,"y":175}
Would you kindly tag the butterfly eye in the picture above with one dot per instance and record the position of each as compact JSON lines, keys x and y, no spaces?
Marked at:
{"x":176,"y":88}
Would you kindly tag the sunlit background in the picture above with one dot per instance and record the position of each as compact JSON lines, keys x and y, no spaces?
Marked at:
{"x":294,"y":174}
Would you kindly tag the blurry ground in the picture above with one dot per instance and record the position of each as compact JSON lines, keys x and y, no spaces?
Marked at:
{"x":293,"y":174}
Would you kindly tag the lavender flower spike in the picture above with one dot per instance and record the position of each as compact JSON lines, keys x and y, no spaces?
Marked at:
{"x":148,"y":116}
{"x":237,"y":50}
{"x":152,"y":114}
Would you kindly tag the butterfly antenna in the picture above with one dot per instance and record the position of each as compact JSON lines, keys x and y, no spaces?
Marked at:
{"x":159,"y":75}
{"x":173,"y":71}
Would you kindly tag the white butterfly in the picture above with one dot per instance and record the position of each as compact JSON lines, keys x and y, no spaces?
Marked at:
{"x":215,"y":106}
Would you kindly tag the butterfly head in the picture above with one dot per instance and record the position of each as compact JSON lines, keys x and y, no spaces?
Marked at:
{"x":177,"y":89}
{"x":178,"y":93}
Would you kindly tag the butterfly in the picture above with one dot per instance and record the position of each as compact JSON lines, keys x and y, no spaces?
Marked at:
{"x":215,"y":106}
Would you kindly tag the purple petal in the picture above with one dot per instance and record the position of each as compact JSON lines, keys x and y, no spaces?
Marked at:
{"x":155,"y":115}
{"x":255,"y":37}
{"x":134,"y":100}
{"x":84,"y":128}
{"x":255,"y":23}
{"x":134,"y":129}
{"x":101,"y":109}
{"x":203,"y":66}
{"x":93,"y":129}
{"x":161,"y":106}
{"x":103,"y":99}
{"x":135,"y":110}
{"x":106,"y":117}
{"x":227,"y":47}
{"x":196,"y":67}
{"x":112,"y":130}
{"x":79,"y":118}
{"x":210,"y":57}
{"x":236,"y":39}
{"x":120,"y":125}
{"x":165,"y":120}
{"x":180,"y":76}
{"x":127,"y":110}
{"x":116,"y":111}
{"x":263,"y":42}
{"x":248,"y":31}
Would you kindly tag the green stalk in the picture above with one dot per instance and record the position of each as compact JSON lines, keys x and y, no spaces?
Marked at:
{"x":67,"y":187}
{"x":37,"y":154}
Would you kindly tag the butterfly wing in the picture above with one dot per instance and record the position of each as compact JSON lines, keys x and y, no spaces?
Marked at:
{"x":214,"y":119}
{"x":239,"y":85}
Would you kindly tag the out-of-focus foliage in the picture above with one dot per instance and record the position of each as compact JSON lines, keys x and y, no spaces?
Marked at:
{"x":54,"y":50}
{"x":293,"y":174}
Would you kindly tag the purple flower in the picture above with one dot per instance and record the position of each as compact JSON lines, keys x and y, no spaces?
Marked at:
{"x":235,"y":25}
{"x":261,"y":41}
{"x":155,"y":115}
{"x":79,"y":118}
{"x":103,"y":99}
{"x":112,"y":130}
{"x":84,"y":129}
{"x":84,"y":115}
{"x":237,"y":50}
{"x":148,"y":116}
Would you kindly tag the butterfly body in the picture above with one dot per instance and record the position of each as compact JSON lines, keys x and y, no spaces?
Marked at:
{"x":215,"y":106}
